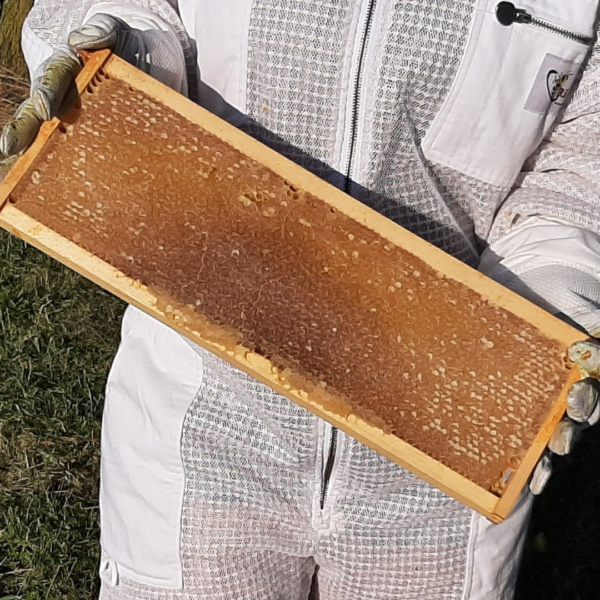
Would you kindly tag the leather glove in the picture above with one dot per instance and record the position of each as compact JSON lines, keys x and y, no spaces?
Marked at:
{"x":153,"y":49}
{"x":557,"y":266}
{"x":49,"y":92}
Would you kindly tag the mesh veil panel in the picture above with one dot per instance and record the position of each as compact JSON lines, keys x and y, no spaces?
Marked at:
{"x":299,"y":82}
{"x":415,"y":64}
{"x":297,"y":74}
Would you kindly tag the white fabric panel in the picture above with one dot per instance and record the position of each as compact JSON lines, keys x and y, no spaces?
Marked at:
{"x":485,"y":129}
{"x":539,"y":242}
{"x":220,"y":31}
{"x":495,"y":553}
{"x":554,"y":264}
{"x":152,"y":383}
{"x":35,"y":50}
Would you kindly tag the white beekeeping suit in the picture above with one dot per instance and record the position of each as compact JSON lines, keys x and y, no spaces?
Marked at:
{"x":213,"y":486}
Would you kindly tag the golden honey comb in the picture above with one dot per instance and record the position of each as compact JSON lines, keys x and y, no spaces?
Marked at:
{"x":321,"y":298}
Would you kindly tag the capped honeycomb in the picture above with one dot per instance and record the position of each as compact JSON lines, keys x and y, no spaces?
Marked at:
{"x":228,"y":241}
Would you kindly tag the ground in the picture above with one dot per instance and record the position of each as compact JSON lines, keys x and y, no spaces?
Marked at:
{"x":58,"y":335}
{"x":13,"y":13}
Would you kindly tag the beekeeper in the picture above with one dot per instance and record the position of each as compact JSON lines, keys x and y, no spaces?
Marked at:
{"x":473,"y":123}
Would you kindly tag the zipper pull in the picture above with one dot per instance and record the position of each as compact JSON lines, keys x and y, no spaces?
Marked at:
{"x":507,"y":14}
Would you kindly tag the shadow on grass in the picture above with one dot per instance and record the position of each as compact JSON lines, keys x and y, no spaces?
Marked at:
{"x":562,"y":553}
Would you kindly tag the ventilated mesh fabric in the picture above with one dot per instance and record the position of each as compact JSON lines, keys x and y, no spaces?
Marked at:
{"x":578,"y":296}
{"x":474,"y":202}
{"x":252,"y":526}
{"x":252,"y":575}
{"x":299,"y":83}
{"x":298,"y":70}
{"x":418,"y":57}
{"x":52,"y":21}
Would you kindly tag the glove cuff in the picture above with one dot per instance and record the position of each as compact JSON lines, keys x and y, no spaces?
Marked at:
{"x":552,"y":263}
{"x":144,"y":40}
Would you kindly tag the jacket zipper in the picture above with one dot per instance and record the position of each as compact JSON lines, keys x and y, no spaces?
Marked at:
{"x":329,"y":466}
{"x":507,"y":14}
{"x":356,"y":97}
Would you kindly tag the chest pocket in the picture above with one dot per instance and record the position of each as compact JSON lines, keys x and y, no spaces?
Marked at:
{"x":520,"y":62}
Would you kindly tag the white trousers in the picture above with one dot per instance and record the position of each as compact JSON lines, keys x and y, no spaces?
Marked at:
{"x":212,"y":487}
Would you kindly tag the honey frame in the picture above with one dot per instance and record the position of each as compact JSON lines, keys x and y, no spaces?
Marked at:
{"x":494,"y":507}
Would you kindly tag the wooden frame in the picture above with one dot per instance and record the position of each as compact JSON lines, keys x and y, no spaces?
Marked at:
{"x":495,"y":507}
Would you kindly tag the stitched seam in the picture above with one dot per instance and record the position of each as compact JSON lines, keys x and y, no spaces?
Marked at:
{"x":467,"y":590}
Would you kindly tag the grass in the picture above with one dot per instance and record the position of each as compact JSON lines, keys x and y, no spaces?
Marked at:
{"x":59,"y":334}
{"x":13,"y":90}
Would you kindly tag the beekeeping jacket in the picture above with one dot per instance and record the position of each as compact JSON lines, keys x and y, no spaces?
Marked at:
{"x":450,"y":118}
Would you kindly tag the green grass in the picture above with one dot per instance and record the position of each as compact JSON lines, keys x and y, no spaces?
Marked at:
{"x":58,"y":336}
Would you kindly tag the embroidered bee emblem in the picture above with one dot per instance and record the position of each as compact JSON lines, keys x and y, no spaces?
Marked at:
{"x":557,"y":85}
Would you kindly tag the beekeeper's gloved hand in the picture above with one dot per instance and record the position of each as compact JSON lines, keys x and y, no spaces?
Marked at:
{"x":557,"y":266}
{"x":139,"y":37}
{"x":49,"y":90}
